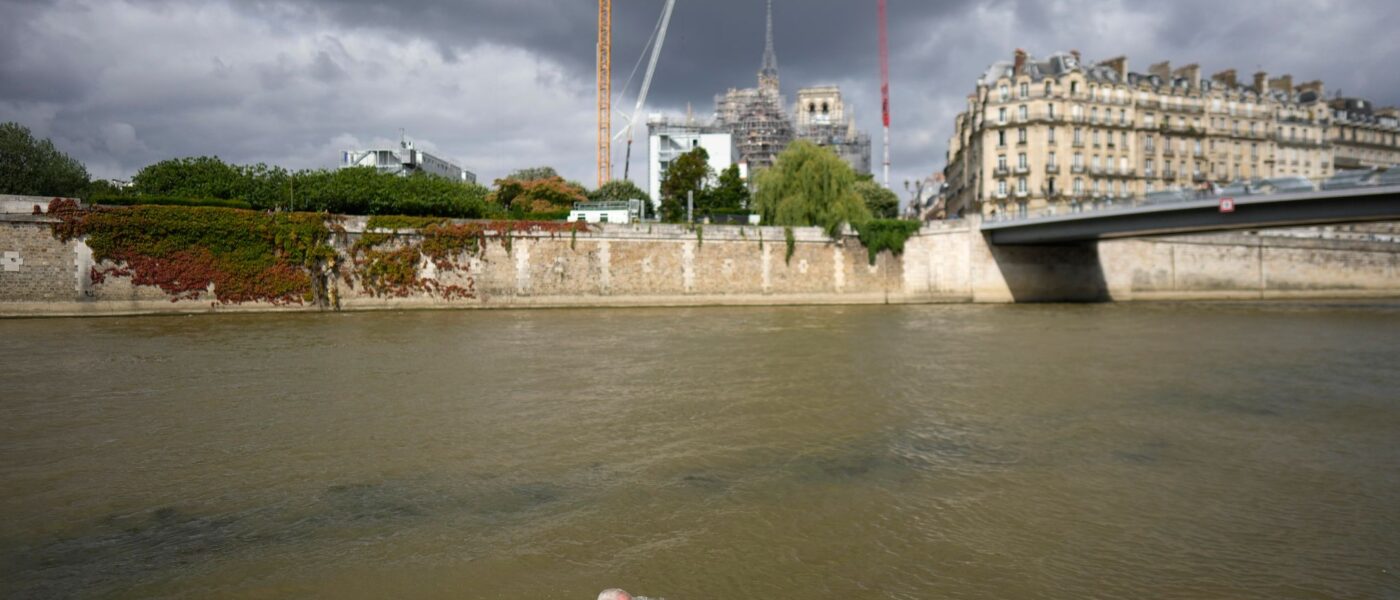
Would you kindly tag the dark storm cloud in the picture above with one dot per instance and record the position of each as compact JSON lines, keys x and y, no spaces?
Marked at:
{"x":500,"y":84}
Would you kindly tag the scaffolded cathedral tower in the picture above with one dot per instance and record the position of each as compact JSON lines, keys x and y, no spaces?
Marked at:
{"x":755,"y":116}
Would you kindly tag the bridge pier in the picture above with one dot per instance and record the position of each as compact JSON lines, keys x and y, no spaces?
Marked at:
{"x":1066,"y":273}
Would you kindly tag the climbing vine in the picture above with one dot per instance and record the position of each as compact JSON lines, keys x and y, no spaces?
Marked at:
{"x":394,"y":271}
{"x":246,"y":256}
{"x":886,"y":234}
{"x":791,"y":244}
{"x":399,"y":223}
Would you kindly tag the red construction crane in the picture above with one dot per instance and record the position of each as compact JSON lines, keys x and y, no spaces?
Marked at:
{"x":885,"y":83}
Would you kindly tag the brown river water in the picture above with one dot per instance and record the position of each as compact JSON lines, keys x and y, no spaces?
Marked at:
{"x":1107,"y":451}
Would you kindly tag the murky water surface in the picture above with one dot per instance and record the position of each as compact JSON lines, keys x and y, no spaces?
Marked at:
{"x":1149,"y":451}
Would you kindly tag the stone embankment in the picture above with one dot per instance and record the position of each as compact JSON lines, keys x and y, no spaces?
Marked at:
{"x":668,"y":265}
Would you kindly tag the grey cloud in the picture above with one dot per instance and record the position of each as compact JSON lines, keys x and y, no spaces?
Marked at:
{"x":938,"y":50}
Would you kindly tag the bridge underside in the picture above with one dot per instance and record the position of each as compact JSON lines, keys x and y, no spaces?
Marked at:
{"x":1293,"y":210}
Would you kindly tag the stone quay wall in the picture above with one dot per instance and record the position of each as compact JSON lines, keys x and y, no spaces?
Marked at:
{"x":667,"y":265}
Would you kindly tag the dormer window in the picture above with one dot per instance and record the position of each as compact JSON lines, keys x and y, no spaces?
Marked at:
{"x":1025,"y":90}
{"x":1005,"y":93}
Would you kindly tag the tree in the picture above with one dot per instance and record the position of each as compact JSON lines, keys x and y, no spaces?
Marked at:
{"x":809,"y":185}
{"x":195,"y":177}
{"x":882,"y":203}
{"x":351,"y":191}
{"x":534,"y":174}
{"x":550,"y":194}
{"x":30,"y":167}
{"x":731,"y":193}
{"x":618,"y":190}
{"x":687,"y":174}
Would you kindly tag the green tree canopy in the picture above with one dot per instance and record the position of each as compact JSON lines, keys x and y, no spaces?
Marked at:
{"x":882,"y":203}
{"x":533,"y":174}
{"x":352,"y":191}
{"x":549,"y":194}
{"x":731,"y":193}
{"x":618,"y":190}
{"x":31,"y":167}
{"x":809,"y":185}
{"x":689,"y":173}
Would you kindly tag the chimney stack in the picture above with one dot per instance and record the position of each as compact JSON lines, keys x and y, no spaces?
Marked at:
{"x":1020,"y":61}
{"x":1162,"y":70}
{"x":1312,"y":86}
{"x":1192,"y":74}
{"x":1077,"y":58}
{"x":1283,"y":84}
{"x":1261,"y":82}
{"x":1227,"y":78}
{"x":1119,"y":65}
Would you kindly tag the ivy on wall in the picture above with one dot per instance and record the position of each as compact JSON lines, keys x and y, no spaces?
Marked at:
{"x":388,"y":265}
{"x":878,"y":235}
{"x":247,"y":256}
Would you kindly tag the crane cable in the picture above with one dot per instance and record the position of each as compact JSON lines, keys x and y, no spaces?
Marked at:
{"x":642,"y":57}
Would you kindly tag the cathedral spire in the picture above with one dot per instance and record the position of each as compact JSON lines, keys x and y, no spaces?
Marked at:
{"x":768,"y":75}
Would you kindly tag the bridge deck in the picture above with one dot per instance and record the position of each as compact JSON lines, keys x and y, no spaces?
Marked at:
{"x":1195,"y":216}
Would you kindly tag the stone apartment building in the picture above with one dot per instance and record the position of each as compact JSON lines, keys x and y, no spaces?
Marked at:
{"x":1057,"y":135}
{"x":1363,"y":135}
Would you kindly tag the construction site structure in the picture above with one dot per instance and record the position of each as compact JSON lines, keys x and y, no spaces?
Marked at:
{"x":756,"y":116}
{"x":604,"y":91}
{"x":823,"y":119}
{"x":885,"y":82}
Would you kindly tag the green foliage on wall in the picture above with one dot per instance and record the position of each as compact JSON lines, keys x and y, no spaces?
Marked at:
{"x":791,"y":244}
{"x":400,"y":222}
{"x":886,"y":234}
{"x":247,"y":256}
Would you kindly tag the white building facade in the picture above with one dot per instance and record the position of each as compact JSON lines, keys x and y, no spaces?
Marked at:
{"x":668,"y":141}
{"x":406,"y":160}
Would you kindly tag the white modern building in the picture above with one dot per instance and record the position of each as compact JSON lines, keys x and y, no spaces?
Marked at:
{"x":405,"y":160}
{"x":630,"y":211}
{"x":668,"y":140}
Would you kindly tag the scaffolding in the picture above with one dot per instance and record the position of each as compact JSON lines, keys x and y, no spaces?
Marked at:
{"x":758,"y":122}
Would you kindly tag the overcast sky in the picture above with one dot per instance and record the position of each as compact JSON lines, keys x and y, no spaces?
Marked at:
{"x":502,"y":84}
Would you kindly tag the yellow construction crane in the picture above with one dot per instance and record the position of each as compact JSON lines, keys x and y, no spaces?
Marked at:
{"x":604,"y":91}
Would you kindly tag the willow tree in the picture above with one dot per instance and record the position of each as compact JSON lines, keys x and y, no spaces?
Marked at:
{"x":809,"y":185}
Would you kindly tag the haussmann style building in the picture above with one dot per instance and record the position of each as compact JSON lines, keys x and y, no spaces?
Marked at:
{"x":1057,"y":134}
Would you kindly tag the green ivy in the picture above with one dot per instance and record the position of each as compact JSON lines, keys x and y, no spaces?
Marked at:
{"x":879,"y":235}
{"x":247,"y":256}
{"x":791,"y":244}
{"x":400,"y":222}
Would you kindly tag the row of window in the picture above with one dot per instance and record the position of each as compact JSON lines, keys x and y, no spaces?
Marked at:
{"x":1103,"y":94}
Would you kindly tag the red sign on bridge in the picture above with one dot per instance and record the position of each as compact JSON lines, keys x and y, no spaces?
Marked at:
{"x":1227,"y":205}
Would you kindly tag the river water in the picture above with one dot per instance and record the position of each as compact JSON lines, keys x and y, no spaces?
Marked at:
{"x":1108,"y":451}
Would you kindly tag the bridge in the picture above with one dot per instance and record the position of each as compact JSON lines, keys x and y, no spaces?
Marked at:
{"x":1139,"y":218}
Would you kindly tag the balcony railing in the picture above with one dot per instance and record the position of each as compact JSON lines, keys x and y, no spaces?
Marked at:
{"x":1001,"y":172}
{"x":1052,"y":168}
{"x":1077,"y":169}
